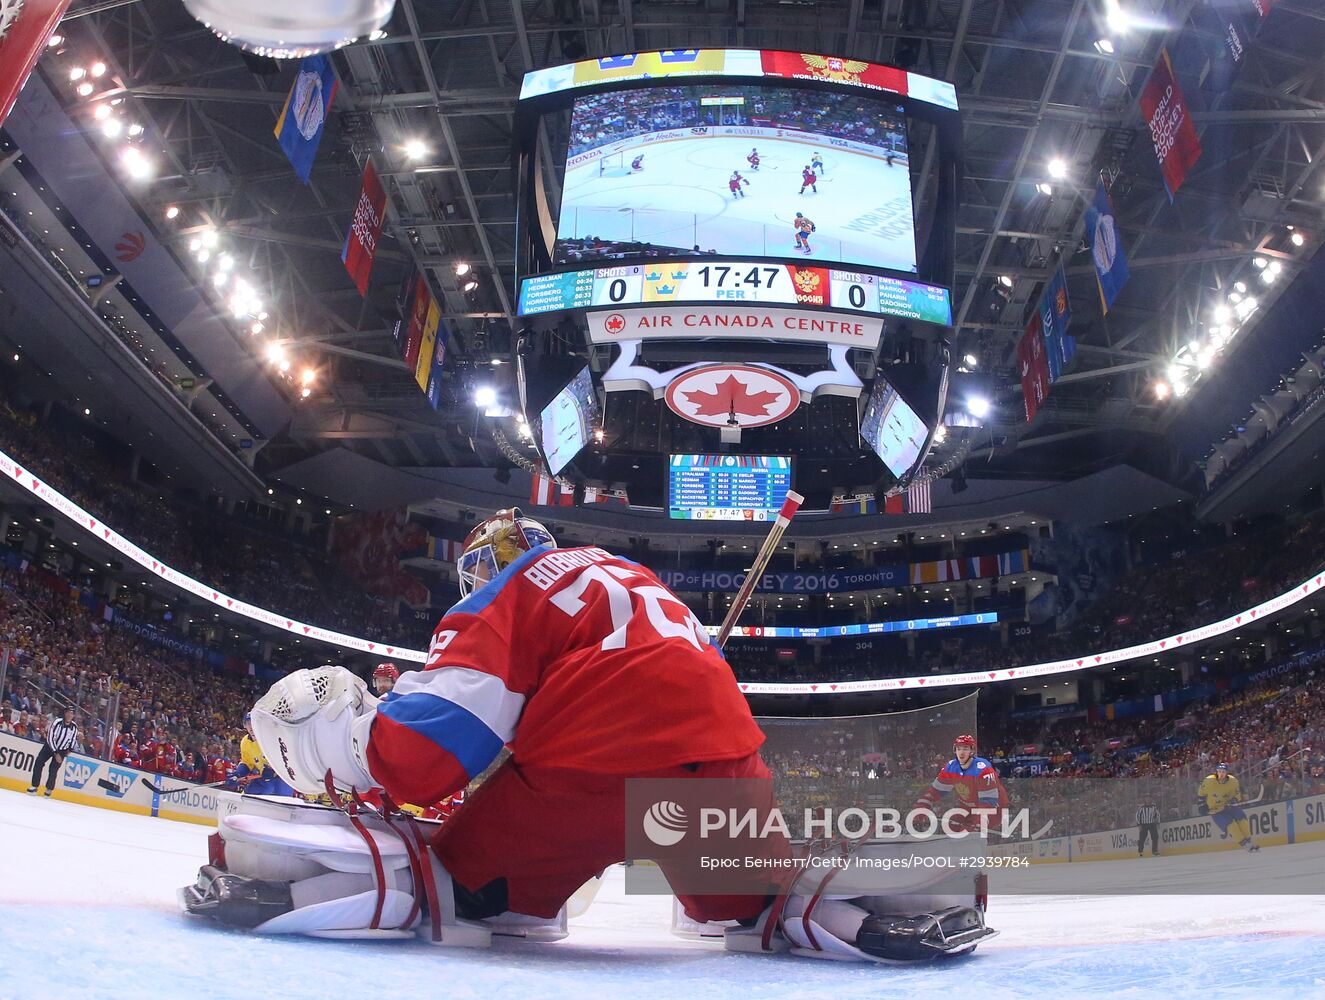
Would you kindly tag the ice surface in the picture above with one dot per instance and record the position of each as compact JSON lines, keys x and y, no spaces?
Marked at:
{"x":862,"y":209}
{"x":87,"y":910}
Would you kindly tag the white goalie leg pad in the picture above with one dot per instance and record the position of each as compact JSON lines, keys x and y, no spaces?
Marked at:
{"x":331,"y":875}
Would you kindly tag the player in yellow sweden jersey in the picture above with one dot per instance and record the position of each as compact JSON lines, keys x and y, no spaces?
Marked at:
{"x":1219,"y":794}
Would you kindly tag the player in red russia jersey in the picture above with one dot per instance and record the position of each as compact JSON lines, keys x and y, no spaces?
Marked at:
{"x":973,"y":782}
{"x":166,"y":757}
{"x":385,"y":676}
{"x":734,"y":183}
{"x":125,"y":750}
{"x":809,"y":179}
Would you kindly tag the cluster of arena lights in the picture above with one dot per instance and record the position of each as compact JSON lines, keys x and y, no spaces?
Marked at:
{"x":1226,"y":319}
{"x":110,"y":114}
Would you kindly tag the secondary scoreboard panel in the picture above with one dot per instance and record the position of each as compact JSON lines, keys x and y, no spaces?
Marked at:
{"x":727,"y":487}
{"x":735,"y":282}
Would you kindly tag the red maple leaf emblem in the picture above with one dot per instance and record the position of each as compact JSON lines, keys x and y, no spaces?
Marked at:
{"x":731,"y":396}
{"x":614,"y":323}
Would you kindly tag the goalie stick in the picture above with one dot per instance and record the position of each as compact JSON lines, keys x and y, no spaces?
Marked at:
{"x":789,"y":508}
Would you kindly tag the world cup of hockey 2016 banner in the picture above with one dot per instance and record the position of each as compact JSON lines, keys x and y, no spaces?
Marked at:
{"x":365,"y":229}
{"x":1034,"y":366}
{"x":24,"y":29}
{"x":1177,"y":145}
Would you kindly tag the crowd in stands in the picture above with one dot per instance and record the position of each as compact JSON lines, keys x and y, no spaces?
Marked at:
{"x":135,"y":703}
{"x":271,"y":569}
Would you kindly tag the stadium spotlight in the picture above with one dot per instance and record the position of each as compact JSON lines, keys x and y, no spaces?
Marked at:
{"x":1239,"y":287}
{"x":1259,"y":263}
{"x":209,"y":238}
{"x":275,"y":353}
{"x":219,"y":279}
{"x":415,"y":149}
{"x":978,"y":407}
{"x":1104,"y":46}
{"x":1297,"y":238}
{"x":1117,"y":19}
{"x":98,"y":69}
{"x":55,"y":40}
{"x":135,"y":130}
{"x":971,"y":361}
{"x":1058,"y":168}
{"x":284,"y":365}
{"x":138,"y":165}
{"x":1223,"y":313}
{"x":256,"y":328}
{"x":461,"y":269}
{"x":1044,"y":188}
{"x":85,"y":89}
{"x":76,"y":74}
{"x":101,"y":112}
{"x":111,"y":128}
{"x":470,"y":285}
{"x":308,"y":376}
{"x":485,"y":396}
{"x":1005,"y":280}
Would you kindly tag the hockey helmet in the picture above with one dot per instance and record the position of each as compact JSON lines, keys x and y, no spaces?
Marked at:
{"x":496,"y":543}
{"x":964,"y":741}
{"x":388,"y":670}
{"x":1221,"y":766}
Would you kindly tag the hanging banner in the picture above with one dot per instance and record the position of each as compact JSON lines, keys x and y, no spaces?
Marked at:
{"x":428,"y":344}
{"x":365,"y":229}
{"x":1106,"y":248}
{"x":1177,"y":146}
{"x":1034,"y":367}
{"x":299,"y":127}
{"x":438,"y":361}
{"x":23,"y":33}
{"x":1055,"y":314}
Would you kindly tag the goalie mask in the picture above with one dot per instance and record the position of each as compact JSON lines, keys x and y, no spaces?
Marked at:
{"x":496,"y":543}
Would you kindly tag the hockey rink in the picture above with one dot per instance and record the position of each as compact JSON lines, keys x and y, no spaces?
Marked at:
{"x":862,"y":209}
{"x":87,"y":907}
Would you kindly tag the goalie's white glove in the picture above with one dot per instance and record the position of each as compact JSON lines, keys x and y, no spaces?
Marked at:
{"x":314,"y":721}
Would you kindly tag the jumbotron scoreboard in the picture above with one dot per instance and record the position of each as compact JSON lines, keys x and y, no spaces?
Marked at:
{"x":673,"y":200}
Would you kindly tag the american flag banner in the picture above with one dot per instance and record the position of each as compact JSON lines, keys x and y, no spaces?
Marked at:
{"x":917,"y":495}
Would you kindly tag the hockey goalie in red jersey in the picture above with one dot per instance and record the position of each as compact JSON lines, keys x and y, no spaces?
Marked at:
{"x":581,"y":663}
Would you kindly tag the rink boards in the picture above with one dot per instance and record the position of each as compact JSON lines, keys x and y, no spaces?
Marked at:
{"x":79,"y":782}
{"x":1294,"y":821}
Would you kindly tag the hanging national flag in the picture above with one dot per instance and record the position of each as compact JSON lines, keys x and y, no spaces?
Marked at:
{"x":917,"y":496}
{"x":547,"y":492}
{"x":894,"y":503}
{"x":444,"y":549}
{"x":1013,"y":562}
{"x":1177,"y":146}
{"x":299,"y":127}
{"x":23,"y":33}
{"x":365,"y":229}
{"x":1106,"y":247}
{"x":858,"y":504}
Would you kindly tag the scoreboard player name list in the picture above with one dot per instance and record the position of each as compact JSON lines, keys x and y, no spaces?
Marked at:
{"x":701,"y":489}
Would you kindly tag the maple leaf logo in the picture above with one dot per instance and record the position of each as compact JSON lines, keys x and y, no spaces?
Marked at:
{"x":731,"y":396}
{"x":614,"y":323}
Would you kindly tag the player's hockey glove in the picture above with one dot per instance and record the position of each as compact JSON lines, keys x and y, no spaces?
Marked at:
{"x":314,"y":721}
{"x":1203,"y":808}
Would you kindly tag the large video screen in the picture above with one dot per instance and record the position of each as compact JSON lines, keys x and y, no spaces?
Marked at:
{"x":892,"y":429}
{"x":567,"y":421}
{"x":732,"y":170}
{"x":727,"y":487}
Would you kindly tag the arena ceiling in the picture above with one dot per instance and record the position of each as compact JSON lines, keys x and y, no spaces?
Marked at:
{"x":1034,"y":86}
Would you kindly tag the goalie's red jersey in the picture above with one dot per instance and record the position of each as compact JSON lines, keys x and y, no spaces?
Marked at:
{"x":577,"y":659}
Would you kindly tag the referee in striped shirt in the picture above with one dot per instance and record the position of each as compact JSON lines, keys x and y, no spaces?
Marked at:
{"x":60,"y":739}
{"x":1147,"y":821}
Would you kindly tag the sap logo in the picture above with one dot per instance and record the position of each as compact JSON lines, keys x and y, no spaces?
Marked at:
{"x":78,"y":773}
{"x":122,"y":780}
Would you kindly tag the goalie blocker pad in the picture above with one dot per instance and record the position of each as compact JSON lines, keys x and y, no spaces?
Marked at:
{"x":279,"y":866}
